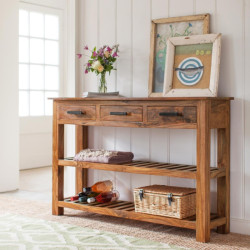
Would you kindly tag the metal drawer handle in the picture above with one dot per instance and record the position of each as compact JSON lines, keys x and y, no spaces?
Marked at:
{"x":170,"y":114}
{"x":76,"y":112}
{"x":118,"y":113}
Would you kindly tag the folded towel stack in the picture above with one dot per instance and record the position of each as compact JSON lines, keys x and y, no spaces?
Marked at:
{"x":104,"y":156}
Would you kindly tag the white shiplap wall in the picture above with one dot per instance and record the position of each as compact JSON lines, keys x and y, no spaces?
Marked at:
{"x":128,"y":23}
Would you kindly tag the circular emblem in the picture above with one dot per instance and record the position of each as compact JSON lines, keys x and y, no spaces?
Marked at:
{"x":190,"y":71}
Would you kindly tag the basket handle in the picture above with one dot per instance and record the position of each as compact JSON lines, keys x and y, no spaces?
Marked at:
{"x":141,"y":191}
{"x":169,"y":198}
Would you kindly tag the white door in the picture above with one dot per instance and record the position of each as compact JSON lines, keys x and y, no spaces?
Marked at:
{"x":40,"y":77}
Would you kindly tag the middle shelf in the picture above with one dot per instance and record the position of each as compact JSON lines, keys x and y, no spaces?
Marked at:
{"x":146,"y":167}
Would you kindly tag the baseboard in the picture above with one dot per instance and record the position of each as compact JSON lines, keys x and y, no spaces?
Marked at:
{"x":32,"y":168}
{"x":240,"y":226}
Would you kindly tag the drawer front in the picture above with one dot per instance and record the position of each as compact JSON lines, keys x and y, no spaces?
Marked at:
{"x":80,"y":112}
{"x":172,"y":114}
{"x":121,"y":113}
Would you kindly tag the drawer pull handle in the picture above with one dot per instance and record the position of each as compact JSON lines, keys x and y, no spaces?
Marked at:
{"x":170,"y":114}
{"x":76,"y":112}
{"x":118,"y":113}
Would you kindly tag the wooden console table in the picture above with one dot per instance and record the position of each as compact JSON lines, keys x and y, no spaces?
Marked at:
{"x":201,"y":114}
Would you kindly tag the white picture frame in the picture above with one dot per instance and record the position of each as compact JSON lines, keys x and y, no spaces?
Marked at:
{"x":212,"y":90}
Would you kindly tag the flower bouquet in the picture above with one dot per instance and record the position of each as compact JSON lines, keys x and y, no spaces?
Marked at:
{"x":101,"y":61}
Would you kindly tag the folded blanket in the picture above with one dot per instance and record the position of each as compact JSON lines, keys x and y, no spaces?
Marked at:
{"x":104,"y":156}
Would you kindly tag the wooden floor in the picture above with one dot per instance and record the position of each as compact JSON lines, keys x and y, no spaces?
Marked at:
{"x":34,"y":184}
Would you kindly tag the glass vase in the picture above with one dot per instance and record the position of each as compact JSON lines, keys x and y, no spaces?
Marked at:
{"x":102,"y":83}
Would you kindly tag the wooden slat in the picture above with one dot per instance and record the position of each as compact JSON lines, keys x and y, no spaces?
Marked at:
{"x":129,"y":209}
{"x":142,"y":164}
{"x":153,"y":165}
{"x":166,"y":166}
{"x":186,"y":167}
{"x":131,"y":215}
{"x":173,"y":166}
{"x":110,"y":203}
{"x":125,"y":206}
{"x":118,"y":204}
{"x":135,"y":163}
{"x":194,"y":169}
{"x":138,"y":170}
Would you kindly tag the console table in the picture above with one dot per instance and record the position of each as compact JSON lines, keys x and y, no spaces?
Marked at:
{"x":200,"y":113}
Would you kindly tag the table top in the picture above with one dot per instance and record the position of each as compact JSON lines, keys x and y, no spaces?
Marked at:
{"x":141,"y":98}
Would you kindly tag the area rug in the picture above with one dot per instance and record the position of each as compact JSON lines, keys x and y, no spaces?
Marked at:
{"x":143,"y":230}
{"x":20,"y":233}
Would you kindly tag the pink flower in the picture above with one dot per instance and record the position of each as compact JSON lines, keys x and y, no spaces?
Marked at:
{"x":79,"y":56}
{"x":109,"y":49}
{"x":86,"y":47}
{"x":86,"y":71}
{"x":115,"y":54}
{"x":89,"y":64}
{"x":94,"y":54}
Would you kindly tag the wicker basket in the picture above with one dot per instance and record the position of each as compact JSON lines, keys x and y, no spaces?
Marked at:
{"x":163,"y":200}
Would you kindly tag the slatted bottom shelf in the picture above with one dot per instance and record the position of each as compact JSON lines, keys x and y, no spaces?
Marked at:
{"x":125,"y":209}
{"x":146,"y":167}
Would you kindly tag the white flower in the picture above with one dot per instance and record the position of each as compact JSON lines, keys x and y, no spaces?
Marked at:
{"x":96,"y":65}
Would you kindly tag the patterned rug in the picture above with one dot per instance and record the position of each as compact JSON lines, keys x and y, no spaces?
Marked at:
{"x":24,"y":233}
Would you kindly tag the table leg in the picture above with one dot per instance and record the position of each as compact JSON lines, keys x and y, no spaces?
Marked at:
{"x":58,"y":171}
{"x":203,"y":173}
{"x":223,"y":183}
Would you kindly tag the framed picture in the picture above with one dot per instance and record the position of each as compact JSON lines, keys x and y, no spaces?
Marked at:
{"x":161,"y":30}
{"x":192,"y":66}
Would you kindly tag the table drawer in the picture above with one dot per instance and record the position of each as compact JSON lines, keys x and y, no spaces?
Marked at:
{"x":121,"y":113}
{"x":78,"y":112}
{"x":172,"y":114}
